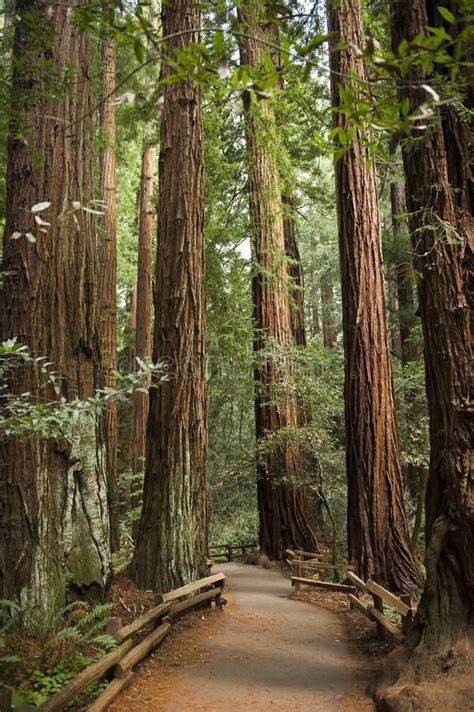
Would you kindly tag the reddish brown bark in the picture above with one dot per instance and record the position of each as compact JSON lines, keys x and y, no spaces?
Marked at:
{"x":144,"y":305}
{"x":439,"y":194}
{"x":171,"y":545}
{"x":405,"y":295}
{"x":377,"y":523}
{"x":53,"y":492}
{"x":108,"y":276}
{"x":295,"y":274}
{"x":283,"y":499}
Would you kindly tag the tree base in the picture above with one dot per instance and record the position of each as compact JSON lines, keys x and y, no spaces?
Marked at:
{"x":401,"y":688}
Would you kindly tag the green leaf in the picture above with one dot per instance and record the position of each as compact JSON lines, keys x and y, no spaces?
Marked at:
{"x":446,"y":14}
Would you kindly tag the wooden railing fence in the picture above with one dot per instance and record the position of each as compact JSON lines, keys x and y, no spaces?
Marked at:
{"x":226,"y":551}
{"x":119,"y":663}
{"x":302,"y":562}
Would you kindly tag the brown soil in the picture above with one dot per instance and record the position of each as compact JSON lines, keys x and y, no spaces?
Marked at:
{"x":129,"y":600}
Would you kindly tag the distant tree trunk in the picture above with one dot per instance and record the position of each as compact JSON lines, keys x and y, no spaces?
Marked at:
{"x":143,"y":335}
{"x":108,"y":275}
{"x":377,"y":523}
{"x":283,"y":499}
{"x":295,"y":274}
{"x":406,"y":301}
{"x":171,"y":547}
{"x":315,"y":325}
{"x":327,"y":315}
{"x":439,"y":195}
{"x":394,"y":310}
{"x":54,"y":492}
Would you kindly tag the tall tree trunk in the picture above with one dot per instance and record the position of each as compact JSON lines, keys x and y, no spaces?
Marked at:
{"x":406,"y":301}
{"x":54,"y":492}
{"x":108,"y":275}
{"x":315,"y":325}
{"x":439,"y":194}
{"x":171,"y":546}
{"x":295,"y":274}
{"x":327,"y":312}
{"x":394,"y":310}
{"x":283,"y":499}
{"x":377,"y":523}
{"x":144,"y":306}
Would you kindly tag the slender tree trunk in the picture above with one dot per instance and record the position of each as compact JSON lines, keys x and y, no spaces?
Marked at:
{"x":53,"y":492}
{"x":439,"y":193}
{"x":406,"y":301}
{"x":171,"y":546}
{"x":377,"y":523}
{"x":295,"y":274}
{"x":327,"y":312}
{"x":108,"y":276}
{"x":315,"y":325}
{"x":143,"y":335}
{"x":283,"y":499}
{"x":394,"y":310}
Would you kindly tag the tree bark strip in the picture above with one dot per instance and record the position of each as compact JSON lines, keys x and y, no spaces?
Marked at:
{"x":108,"y":275}
{"x":171,"y":545}
{"x":53,"y":492}
{"x":283,"y":498}
{"x":439,"y":196}
{"x":377,"y":523}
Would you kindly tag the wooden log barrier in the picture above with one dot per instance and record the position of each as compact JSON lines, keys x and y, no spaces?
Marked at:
{"x":329,"y":585}
{"x":128,"y":661}
{"x":85,"y":678}
{"x":110,"y":693}
{"x":142,"y":621}
{"x":190,"y":588}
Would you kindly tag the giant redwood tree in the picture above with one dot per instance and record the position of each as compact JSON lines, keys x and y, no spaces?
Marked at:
{"x":377,"y":523}
{"x":171,"y":546}
{"x":144,"y":301}
{"x":283,"y":499}
{"x":53,"y":491}
{"x":108,"y":273}
{"x":440,"y":186}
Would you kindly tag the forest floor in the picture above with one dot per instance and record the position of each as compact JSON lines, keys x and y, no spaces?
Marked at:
{"x":265,"y":650}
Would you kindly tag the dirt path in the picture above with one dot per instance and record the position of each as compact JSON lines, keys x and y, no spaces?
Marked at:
{"x":265,"y":650}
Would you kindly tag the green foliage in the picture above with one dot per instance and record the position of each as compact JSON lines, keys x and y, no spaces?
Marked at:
{"x":43,"y":649}
{"x":47,"y":413}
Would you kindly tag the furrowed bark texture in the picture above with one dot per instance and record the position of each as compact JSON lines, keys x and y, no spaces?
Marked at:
{"x":144,"y":307}
{"x":295,"y":274}
{"x":283,"y":499}
{"x":406,"y":302}
{"x":53,"y":493}
{"x":108,"y":277}
{"x":377,"y":523}
{"x":171,"y":545}
{"x":439,"y":200}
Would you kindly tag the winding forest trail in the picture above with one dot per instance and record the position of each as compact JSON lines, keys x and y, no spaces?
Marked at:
{"x":265,"y":650}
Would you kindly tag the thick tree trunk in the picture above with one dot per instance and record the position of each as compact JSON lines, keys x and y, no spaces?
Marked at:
{"x":377,"y":523}
{"x":439,"y":193}
{"x":53,"y":493}
{"x":108,"y":276}
{"x":171,"y":545}
{"x":283,"y":499}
